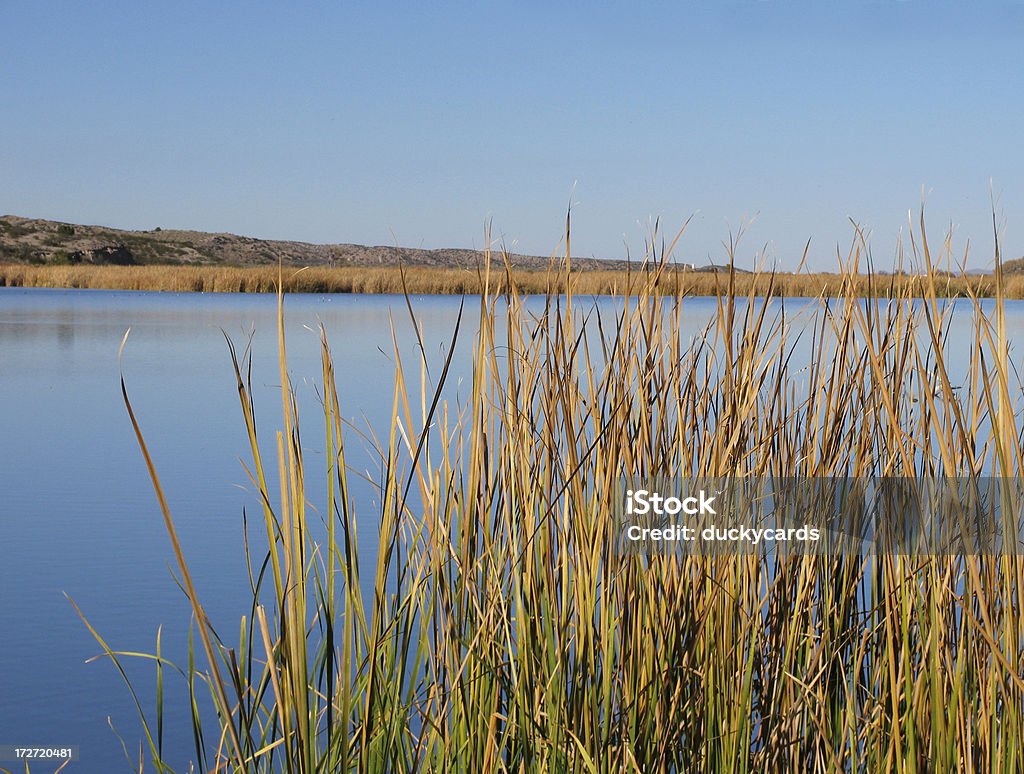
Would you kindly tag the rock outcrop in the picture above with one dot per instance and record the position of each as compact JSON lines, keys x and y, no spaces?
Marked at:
{"x":116,"y":255}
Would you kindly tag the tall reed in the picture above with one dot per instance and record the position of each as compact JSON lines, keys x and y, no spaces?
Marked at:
{"x":504,"y":630}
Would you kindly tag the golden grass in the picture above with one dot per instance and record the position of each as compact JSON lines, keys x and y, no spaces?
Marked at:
{"x":505,"y":630}
{"x":418,"y":280}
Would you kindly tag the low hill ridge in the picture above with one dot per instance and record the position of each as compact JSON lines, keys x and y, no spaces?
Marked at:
{"x":39,"y":241}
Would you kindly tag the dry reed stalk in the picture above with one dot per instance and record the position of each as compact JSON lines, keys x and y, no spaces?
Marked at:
{"x":504,"y":630}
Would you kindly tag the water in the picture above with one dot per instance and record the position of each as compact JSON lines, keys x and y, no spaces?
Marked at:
{"x":79,"y":515}
{"x":78,"y":512}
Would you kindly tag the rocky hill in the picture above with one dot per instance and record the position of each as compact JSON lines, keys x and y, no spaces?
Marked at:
{"x":28,"y":240}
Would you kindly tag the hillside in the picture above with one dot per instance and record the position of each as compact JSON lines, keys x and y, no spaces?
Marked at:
{"x":48,"y":242}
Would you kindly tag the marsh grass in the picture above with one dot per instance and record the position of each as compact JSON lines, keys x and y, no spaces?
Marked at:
{"x":504,"y":630}
{"x":420,"y":280}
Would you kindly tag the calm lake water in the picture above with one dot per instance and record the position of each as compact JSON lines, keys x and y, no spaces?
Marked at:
{"x":77,"y":510}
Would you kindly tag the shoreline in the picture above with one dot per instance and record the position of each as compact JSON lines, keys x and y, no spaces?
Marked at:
{"x":433,"y":281}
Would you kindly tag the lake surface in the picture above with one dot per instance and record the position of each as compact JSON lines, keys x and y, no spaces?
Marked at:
{"x":77,"y":509}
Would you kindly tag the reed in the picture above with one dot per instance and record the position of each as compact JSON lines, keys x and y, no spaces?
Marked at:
{"x":435,"y":281}
{"x":505,"y":631}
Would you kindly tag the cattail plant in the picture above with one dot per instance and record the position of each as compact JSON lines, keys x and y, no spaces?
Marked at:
{"x":500,"y":627}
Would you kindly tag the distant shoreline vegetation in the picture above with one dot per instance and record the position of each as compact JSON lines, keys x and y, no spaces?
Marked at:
{"x":444,"y":281}
{"x":52,"y":254}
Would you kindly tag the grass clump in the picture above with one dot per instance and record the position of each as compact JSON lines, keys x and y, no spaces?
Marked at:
{"x":499,"y":628}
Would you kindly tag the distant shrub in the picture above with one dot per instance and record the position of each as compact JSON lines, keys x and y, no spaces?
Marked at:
{"x":15,"y":252}
{"x":65,"y":230}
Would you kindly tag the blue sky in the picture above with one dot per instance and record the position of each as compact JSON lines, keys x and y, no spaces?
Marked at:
{"x":413,"y":124}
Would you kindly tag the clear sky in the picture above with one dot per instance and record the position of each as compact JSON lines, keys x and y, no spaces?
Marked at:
{"x":413,"y":124}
